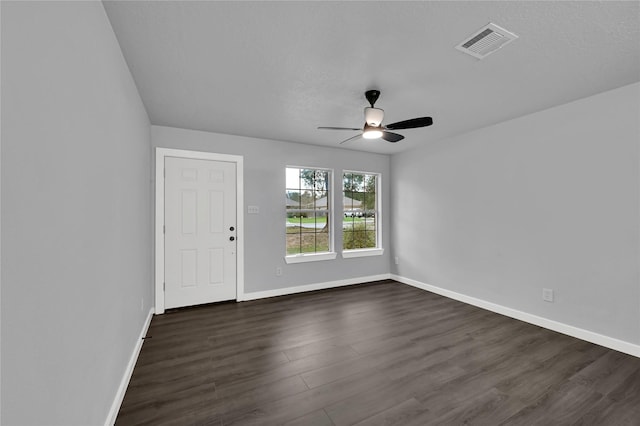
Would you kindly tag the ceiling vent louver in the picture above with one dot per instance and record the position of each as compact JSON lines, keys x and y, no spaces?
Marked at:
{"x":486,"y":41}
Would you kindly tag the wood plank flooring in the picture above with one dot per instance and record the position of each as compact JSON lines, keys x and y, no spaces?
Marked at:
{"x":375,"y":354}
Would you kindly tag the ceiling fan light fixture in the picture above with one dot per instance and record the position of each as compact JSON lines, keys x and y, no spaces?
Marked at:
{"x":371,"y":132}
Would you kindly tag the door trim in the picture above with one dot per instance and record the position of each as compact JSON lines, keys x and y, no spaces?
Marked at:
{"x":161,"y":154}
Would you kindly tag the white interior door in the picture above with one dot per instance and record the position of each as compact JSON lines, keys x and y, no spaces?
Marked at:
{"x":200,"y":231}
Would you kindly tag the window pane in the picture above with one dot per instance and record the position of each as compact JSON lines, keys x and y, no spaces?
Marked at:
{"x":321,"y":180}
{"x":308,"y":228}
{"x":292,"y":196}
{"x":307,"y":179}
{"x":359,"y":239}
{"x":347,"y":200}
{"x":352,"y":182}
{"x":369,"y":201}
{"x":347,"y":239}
{"x":293,"y":223}
{"x":308,"y":243}
{"x":360,"y":206}
{"x":370,"y":223}
{"x":346,"y":182}
{"x":293,"y":243}
{"x":370,"y":240}
{"x":321,"y":200}
{"x":322,"y":242}
{"x":308,"y":209}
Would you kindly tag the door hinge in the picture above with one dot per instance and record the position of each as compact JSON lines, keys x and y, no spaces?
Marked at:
{"x":164,"y":286}
{"x":164,"y":229}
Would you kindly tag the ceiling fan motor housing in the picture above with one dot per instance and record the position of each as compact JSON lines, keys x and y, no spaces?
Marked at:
{"x":373,"y":116}
{"x":372,"y":96}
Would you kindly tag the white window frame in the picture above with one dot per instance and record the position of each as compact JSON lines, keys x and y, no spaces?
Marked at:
{"x":325,"y":255}
{"x":364,"y":252}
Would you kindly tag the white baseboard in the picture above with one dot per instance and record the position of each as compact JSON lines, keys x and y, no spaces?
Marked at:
{"x":589,"y":336}
{"x":124,"y":383}
{"x":311,"y":287}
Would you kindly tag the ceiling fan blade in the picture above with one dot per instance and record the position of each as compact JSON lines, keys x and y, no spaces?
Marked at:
{"x":411,"y":124}
{"x":391,"y":137}
{"x":351,"y":138}
{"x":339,"y":128}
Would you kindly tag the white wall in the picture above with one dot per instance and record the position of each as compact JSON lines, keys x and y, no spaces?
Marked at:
{"x":546,"y":200}
{"x":264,"y":186}
{"x":76,"y":240}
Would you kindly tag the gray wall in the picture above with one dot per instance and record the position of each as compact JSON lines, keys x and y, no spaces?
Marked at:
{"x":264,"y":185}
{"x":546,"y":200}
{"x":76,"y":210}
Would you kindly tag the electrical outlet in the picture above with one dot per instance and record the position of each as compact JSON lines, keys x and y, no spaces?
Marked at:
{"x":547,"y":295}
{"x":278,"y":271}
{"x":397,"y":260}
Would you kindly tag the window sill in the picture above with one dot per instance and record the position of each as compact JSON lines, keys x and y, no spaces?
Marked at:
{"x":362,"y":253}
{"x":310,"y":257}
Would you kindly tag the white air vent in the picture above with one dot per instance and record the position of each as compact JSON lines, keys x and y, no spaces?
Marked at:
{"x":486,"y":41}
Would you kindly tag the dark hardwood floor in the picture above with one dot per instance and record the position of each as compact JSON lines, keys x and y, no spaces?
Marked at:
{"x":377,"y":354}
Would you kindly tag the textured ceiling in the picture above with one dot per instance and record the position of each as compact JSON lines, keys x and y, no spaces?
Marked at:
{"x":277,"y":70}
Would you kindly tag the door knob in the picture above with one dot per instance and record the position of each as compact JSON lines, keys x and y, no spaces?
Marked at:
{"x":232,"y":229}
{"x":232,"y":238}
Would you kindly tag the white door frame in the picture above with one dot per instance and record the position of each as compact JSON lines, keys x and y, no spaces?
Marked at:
{"x":161,"y":154}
